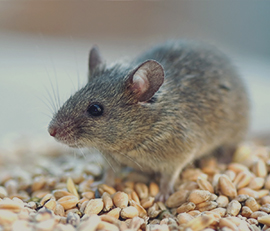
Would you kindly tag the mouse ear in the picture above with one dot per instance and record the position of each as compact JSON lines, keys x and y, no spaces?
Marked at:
{"x":95,"y":59}
{"x":145,"y":80}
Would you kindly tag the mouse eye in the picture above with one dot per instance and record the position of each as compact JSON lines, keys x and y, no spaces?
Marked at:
{"x":95,"y":109}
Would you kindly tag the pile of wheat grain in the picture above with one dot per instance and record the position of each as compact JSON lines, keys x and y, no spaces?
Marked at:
{"x":63,"y":195}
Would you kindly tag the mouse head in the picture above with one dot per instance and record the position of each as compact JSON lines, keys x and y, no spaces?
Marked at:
{"x":113,"y":110}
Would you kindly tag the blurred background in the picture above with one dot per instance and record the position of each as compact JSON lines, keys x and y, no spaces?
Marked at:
{"x":44,"y":48}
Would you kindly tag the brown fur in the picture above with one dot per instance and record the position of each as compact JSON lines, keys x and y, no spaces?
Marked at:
{"x":201,"y":106}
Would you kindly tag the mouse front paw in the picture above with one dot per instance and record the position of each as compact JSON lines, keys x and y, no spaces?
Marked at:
{"x":164,"y":194}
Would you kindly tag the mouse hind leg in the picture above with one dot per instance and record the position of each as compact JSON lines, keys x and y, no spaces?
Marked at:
{"x":225,"y":153}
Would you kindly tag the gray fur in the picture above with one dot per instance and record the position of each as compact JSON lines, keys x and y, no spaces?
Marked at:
{"x":201,"y":106}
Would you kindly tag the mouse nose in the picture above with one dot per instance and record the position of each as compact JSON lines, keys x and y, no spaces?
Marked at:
{"x":52,"y":131}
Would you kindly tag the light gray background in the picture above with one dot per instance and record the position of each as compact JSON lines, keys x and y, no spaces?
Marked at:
{"x":46,"y":43}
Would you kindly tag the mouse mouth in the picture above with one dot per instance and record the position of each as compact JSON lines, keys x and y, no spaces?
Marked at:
{"x":69,"y":142}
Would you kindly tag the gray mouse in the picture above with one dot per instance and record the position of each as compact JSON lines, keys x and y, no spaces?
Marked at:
{"x":173,"y":104}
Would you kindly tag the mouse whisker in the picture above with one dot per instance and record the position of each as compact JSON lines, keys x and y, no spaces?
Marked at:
{"x":129,"y":158}
{"x":104,"y":156}
{"x":50,"y":100}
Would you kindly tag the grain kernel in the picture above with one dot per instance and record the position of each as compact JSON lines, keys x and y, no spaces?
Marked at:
{"x":222,"y":201}
{"x":243,"y":226}
{"x":129,"y":184}
{"x":264,"y":220}
{"x":226,"y":186}
{"x":256,"y":183}
{"x":262,"y":193}
{"x":59,"y":210}
{"x":259,"y":168}
{"x":73,"y":219}
{"x":88,"y":195}
{"x":38,"y":183}
{"x":252,"y":204}
{"x":267,"y":182}
{"x":10,"y":205}
{"x":242,"y":198}
{"x":85,"y":186}
{"x":90,"y":224}
{"x":265,"y":208}
{"x":235,"y":220}
{"x":242,"y":179}
{"x":168,"y":221}
{"x":188,"y":185}
{"x":40,"y":193}
{"x":193,"y":174}
{"x":265,"y":200}
{"x":231,"y":174}
{"x":7,"y":217}
{"x":46,"y":198}
{"x":115,"y":212}
{"x":186,"y":207}
{"x":105,"y":188}
{"x":184,"y":218}
{"x":236,"y":167}
{"x":200,"y":222}
{"x":141,"y":210}
{"x":153,"y":189}
{"x":242,"y":153}
{"x":233,"y":208}
{"x":108,"y":202}
{"x":199,"y":196}
{"x":136,"y":223}
{"x":3,"y":192}
{"x":20,"y":225}
{"x":205,"y":185}
{"x":110,"y":219}
{"x":43,"y":214}
{"x":209,"y":166}
{"x":103,"y":225}
{"x":213,"y":197}
{"x":135,"y":197}
{"x":71,"y":187}
{"x":11,"y":186}
{"x":249,"y":192}
{"x":154,"y":211}
{"x":94,"y":206}
{"x":207,"y":205}
{"x":120,"y":199}
{"x":194,"y":213}
{"x":51,"y":204}
{"x":258,"y":214}
{"x":142,"y":190}
{"x":82,"y":200}
{"x":129,"y":212}
{"x":161,"y":205}
{"x":253,"y":221}
{"x":246,"y":211}
{"x":45,"y":225}
{"x":68,"y":202}
{"x":60,"y":193}
{"x":220,"y":211}
{"x":147,"y":202}
{"x":177,"y":198}
{"x":226,"y":223}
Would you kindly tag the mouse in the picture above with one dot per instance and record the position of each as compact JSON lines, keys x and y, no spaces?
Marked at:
{"x":175,"y":103}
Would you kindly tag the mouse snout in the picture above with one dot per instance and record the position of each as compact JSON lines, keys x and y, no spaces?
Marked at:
{"x":63,"y":132}
{"x":52,"y":130}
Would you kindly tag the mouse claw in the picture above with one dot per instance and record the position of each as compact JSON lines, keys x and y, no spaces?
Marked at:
{"x":164,"y":194}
